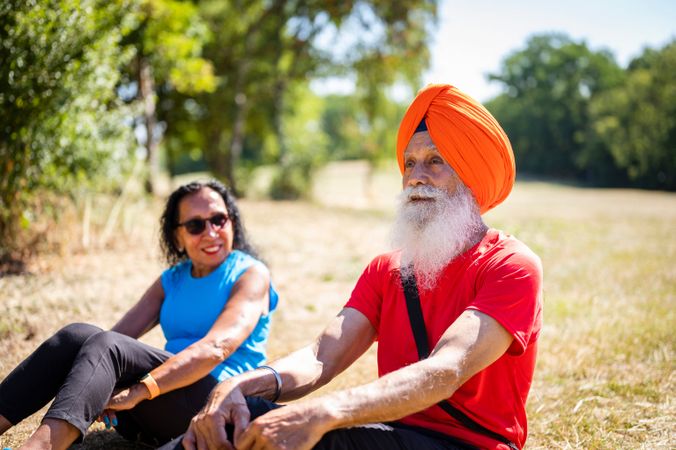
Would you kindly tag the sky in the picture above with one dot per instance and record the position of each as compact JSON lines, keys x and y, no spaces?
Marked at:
{"x":473,"y":37}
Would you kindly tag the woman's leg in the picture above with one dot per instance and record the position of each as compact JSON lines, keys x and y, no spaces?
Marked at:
{"x":34,"y":382}
{"x":156,"y":421}
{"x":105,"y":361}
{"x":53,"y":434}
{"x":4,"y":424}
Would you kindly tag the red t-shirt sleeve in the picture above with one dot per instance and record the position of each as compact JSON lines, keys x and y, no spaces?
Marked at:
{"x":509,"y":289}
{"x":367,"y":295}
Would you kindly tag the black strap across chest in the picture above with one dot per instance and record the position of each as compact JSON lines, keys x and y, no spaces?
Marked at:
{"x":417,"y":320}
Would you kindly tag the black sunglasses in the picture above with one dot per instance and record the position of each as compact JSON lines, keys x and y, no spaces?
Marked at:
{"x":197,"y":226}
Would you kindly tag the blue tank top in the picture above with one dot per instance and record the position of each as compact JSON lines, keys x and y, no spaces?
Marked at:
{"x":192,"y":305}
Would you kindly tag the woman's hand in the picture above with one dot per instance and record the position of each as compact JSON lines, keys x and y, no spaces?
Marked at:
{"x":109,"y":418}
{"x":127,"y":398}
{"x":122,"y":399}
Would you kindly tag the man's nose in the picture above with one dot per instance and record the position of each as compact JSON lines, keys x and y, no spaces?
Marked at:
{"x":418,"y":176}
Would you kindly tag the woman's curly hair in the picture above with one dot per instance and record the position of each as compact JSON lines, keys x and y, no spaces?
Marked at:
{"x":170,"y":218}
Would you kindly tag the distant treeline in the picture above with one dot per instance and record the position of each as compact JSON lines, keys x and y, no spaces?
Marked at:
{"x":574,"y":113}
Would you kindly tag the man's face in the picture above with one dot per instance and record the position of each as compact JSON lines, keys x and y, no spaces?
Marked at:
{"x":424,"y":165}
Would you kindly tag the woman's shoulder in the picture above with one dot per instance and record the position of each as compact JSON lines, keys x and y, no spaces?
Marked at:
{"x":176,"y":271}
{"x":244,"y":260}
{"x":240,"y":262}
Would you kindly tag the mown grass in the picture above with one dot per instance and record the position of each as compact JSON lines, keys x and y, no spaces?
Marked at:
{"x":605,"y":373}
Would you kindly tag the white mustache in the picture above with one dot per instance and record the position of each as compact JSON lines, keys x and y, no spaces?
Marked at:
{"x":422,"y":192}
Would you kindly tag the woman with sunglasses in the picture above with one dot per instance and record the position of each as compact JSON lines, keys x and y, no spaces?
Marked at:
{"x":213,"y":305}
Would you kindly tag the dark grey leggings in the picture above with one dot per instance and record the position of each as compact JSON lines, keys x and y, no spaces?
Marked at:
{"x":79,"y":367}
{"x":392,"y":436}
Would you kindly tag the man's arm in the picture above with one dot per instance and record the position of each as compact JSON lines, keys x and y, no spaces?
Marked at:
{"x":471,"y":343}
{"x":346,"y":338}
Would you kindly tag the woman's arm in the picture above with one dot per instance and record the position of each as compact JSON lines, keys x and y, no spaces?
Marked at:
{"x":249,"y":300}
{"x":144,"y":315}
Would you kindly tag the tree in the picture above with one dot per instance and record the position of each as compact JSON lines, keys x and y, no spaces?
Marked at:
{"x":168,"y":40}
{"x":240,"y":52}
{"x":545,"y":110}
{"x":636,"y":121}
{"x":343,"y":122}
{"x":61,"y":123}
{"x":302,"y":128}
{"x":262,"y":49}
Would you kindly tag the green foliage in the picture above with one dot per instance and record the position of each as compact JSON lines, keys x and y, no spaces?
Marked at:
{"x":307,"y":145}
{"x":398,"y":53}
{"x":171,"y":36}
{"x":571,"y":112}
{"x":545,"y":110}
{"x":61,"y":121}
{"x":344,"y":125}
{"x":394,"y":53}
{"x":262,"y":50}
{"x":637,"y":120}
{"x":350,"y":133}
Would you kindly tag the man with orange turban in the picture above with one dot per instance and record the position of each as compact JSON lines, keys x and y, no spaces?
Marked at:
{"x":456,"y":310}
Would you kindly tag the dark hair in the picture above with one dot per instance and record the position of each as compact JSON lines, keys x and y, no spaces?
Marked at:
{"x":170,"y":218}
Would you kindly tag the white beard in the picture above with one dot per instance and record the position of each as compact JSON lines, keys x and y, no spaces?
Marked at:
{"x":432,"y":232}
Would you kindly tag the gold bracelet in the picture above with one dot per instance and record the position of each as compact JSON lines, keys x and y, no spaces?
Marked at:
{"x":151,"y":384}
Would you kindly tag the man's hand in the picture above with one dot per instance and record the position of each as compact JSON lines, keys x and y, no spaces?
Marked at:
{"x":293,"y":427}
{"x":207,"y":429}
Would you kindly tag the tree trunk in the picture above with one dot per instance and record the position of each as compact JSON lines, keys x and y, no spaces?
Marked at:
{"x":240,"y":98}
{"x":214,"y":154}
{"x":279,"y":89}
{"x":147,"y":92}
{"x":237,"y":141}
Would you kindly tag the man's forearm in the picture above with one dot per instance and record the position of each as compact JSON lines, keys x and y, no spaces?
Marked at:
{"x":393,"y":396}
{"x":300,"y":373}
{"x":344,"y":340}
{"x":474,"y":341}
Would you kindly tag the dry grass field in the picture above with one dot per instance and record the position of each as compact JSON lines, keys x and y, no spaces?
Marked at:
{"x":605,"y":375}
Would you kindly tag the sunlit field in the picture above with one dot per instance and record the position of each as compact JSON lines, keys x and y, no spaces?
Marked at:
{"x":605,"y":375}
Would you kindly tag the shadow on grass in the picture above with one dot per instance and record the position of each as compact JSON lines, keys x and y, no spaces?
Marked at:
{"x":12,"y":266}
{"x":108,"y":440}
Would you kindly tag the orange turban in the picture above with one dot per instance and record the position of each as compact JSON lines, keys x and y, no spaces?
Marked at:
{"x":467,"y":136}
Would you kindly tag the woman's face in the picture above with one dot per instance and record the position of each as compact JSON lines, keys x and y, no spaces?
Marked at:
{"x":207,"y":248}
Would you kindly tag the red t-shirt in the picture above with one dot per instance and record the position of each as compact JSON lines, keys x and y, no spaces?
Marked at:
{"x":500,"y":277}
